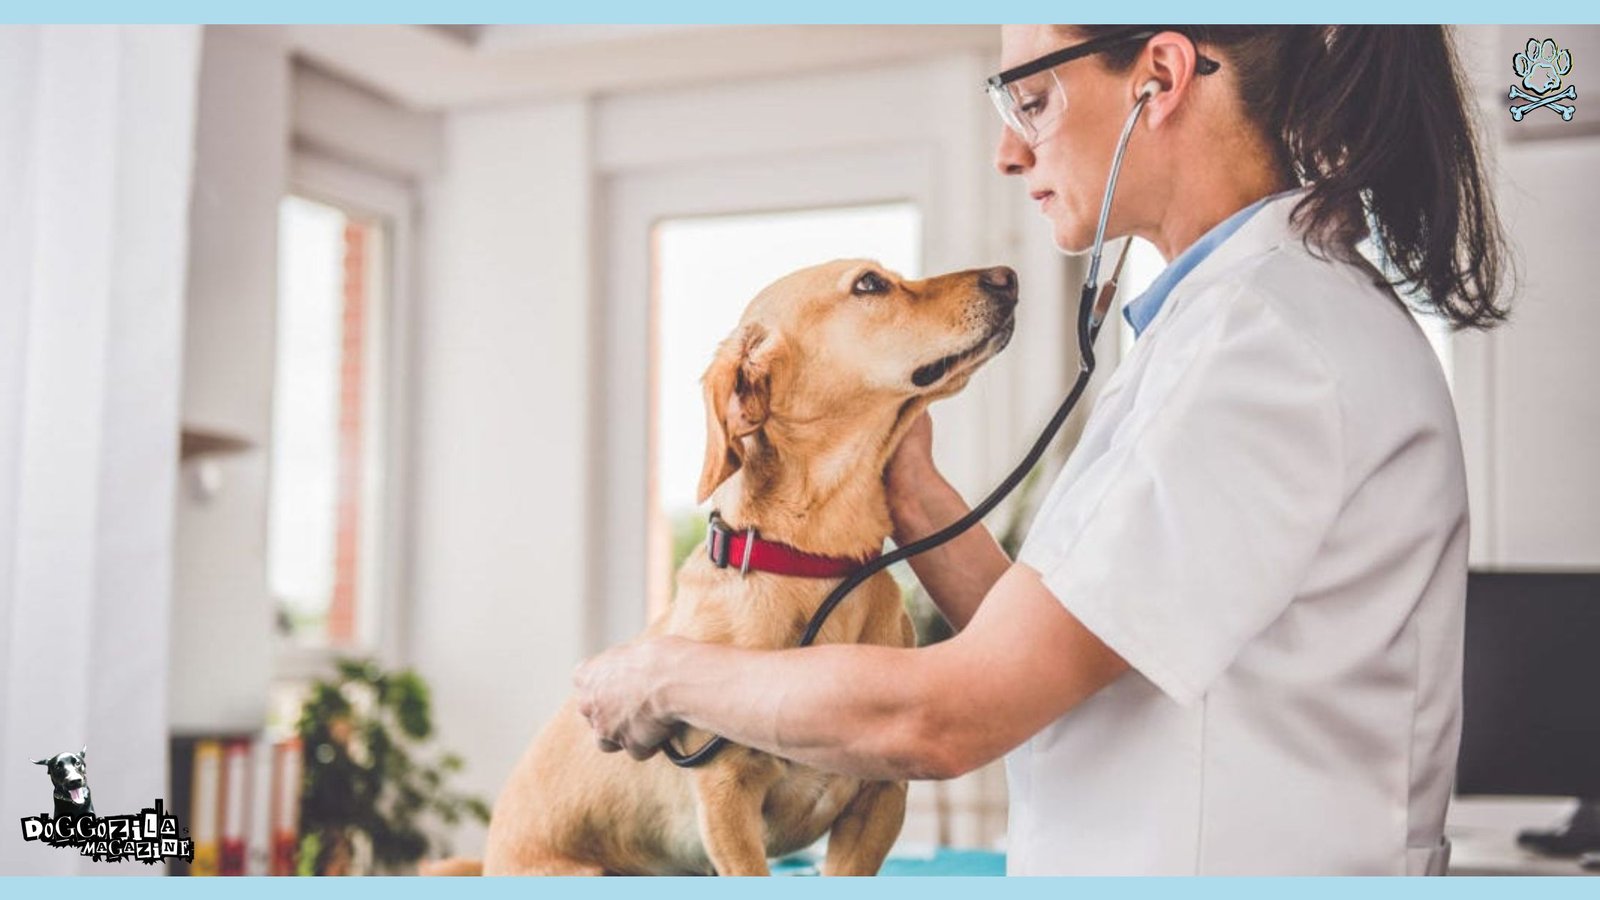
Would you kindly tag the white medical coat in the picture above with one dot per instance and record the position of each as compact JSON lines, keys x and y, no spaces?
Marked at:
{"x":1266,"y":516}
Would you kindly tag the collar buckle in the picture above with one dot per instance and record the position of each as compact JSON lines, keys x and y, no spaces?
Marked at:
{"x":717,"y":540}
{"x":719,"y":543}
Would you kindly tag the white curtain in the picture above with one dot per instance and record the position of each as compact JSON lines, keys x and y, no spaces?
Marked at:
{"x":96,"y":152}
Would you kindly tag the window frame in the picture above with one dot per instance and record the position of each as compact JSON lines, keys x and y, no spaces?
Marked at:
{"x":658,"y":587}
{"x":362,"y":192}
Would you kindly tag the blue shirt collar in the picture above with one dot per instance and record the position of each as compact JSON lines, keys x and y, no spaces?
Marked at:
{"x":1142,"y":310}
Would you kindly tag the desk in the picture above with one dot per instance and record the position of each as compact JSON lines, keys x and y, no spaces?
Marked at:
{"x":1483,"y":836}
{"x":1482,"y":831}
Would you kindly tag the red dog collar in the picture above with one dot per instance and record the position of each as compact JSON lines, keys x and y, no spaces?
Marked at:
{"x":746,"y":550}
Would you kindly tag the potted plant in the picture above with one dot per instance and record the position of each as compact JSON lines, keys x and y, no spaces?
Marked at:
{"x":367,"y":792}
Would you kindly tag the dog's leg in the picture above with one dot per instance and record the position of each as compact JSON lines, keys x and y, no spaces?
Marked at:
{"x":730,"y":794}
{"x":863,"y":833}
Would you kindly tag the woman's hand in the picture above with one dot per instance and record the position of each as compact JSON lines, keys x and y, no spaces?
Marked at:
{"x":959,"y":573}
{"x":617,"y":693}
{"x":908,"y":476}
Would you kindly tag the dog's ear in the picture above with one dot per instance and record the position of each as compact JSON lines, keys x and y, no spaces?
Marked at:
{"x":83,"y":755}
{"x":42,"y":762}
{"x":738,"y":397}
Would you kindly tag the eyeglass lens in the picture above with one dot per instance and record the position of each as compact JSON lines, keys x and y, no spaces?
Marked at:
{"x":1031,"y":106}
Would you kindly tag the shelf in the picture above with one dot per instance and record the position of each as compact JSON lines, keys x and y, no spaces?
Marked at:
{"x":196,"y":442}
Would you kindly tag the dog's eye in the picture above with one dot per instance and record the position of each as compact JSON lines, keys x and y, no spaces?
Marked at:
{"x":870,"y":283}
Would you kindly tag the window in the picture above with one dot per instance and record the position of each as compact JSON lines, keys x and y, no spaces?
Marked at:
{"x":704,"y":272}
{"x":323,"y":549}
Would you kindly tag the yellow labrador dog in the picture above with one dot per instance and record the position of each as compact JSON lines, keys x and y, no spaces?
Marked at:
{"x":805,"y":402}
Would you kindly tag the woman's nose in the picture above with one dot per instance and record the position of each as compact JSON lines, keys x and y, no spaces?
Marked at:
{"x":1013,"y":156}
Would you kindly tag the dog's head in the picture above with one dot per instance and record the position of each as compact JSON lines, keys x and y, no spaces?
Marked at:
{"x":69,"y":772}
{"x":847,"y":351}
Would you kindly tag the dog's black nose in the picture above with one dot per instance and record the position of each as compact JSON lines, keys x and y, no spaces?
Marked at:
{"x":999,"y":282}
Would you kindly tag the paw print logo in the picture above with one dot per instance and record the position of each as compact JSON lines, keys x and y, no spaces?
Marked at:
{"x":1541,"y":67}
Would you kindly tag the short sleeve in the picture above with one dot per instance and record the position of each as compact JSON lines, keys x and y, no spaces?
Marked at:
{"x":1195,"y":529}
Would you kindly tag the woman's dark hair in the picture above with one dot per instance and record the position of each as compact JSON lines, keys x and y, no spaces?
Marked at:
{"x":1373,"y":119}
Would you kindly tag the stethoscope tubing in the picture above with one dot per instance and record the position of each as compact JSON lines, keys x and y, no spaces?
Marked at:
{"x":1092,"y":305}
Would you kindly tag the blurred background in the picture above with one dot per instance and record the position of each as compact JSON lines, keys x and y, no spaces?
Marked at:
{"x":348,"y":380}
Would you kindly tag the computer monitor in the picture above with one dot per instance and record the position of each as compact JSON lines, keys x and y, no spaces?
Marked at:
{"x":1531,"y":687}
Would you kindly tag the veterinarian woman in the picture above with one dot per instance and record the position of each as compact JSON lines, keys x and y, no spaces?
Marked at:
{"x":1232,"y":640}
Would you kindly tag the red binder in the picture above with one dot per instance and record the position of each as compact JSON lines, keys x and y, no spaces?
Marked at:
{"x":284,"y":824}
{"x":235,"y":806}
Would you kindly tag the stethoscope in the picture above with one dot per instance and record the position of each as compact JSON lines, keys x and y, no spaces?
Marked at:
{"x":1093,"y":303}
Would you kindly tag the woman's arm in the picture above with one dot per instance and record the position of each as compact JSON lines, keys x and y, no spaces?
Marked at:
{"x":872,"y":712}
{"x":957,"y":574}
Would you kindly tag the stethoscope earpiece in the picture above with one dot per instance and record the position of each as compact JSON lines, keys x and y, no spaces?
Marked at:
{"x":1150,"y":89}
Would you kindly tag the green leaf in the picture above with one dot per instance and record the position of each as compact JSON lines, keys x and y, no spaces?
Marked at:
{"x":310,"y":849}
{"x":411,"y":705}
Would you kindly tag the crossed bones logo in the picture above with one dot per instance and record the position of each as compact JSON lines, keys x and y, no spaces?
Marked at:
{"x":1541,"y":67}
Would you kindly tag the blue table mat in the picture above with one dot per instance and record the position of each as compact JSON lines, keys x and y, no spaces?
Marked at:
{"x":941,"y":861}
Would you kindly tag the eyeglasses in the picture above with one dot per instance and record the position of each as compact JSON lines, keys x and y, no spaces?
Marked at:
{"x":1030,"y":98}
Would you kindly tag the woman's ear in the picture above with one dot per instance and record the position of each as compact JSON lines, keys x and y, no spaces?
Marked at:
{"x":1170,"y":62}
{"x":738,"y":398}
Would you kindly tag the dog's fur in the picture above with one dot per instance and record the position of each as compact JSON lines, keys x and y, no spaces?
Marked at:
{"x":805,"y":402}
{"x":69,"y":777}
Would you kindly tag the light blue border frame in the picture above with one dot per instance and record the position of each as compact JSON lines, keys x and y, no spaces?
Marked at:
{"x":841,"y":12}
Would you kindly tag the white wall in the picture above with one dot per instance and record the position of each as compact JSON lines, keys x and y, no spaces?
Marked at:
{"x":222,"y":610}
{"x":1544,"y":412}
{"x":502,"y":409}
{"x":1530,"y":417}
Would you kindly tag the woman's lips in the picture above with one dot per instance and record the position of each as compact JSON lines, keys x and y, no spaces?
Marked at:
{"x":1043,"y":198}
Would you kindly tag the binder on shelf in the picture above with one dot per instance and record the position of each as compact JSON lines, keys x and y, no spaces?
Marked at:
{"x":284,"y":829}
{"x":258,"y":843}
{"x":205,"y":808}
{"x":235,"y":812}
